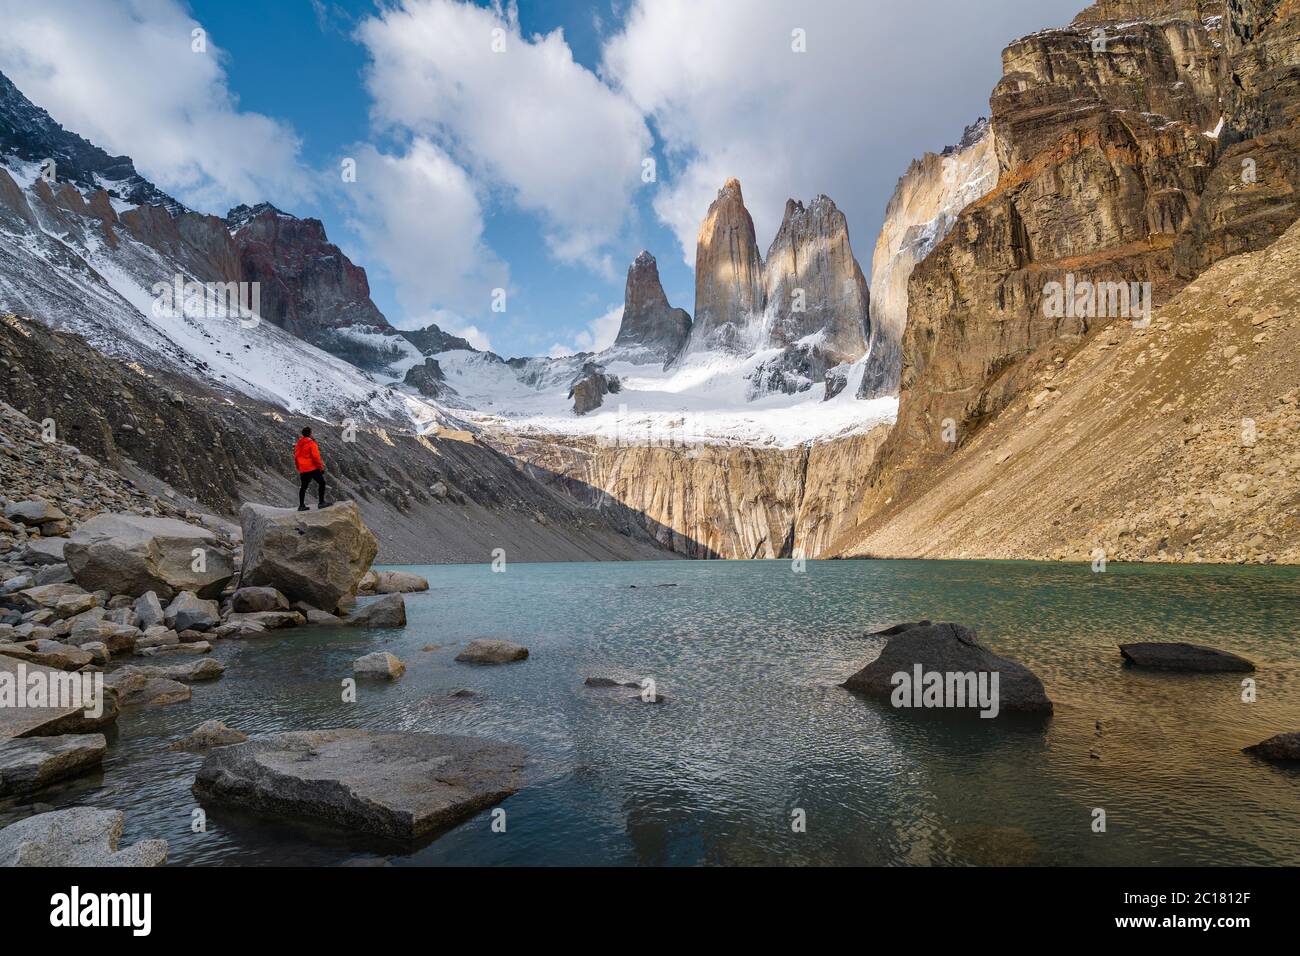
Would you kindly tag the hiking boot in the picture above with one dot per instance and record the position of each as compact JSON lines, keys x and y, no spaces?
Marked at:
{"x":303,"y":508}
{"x":323,"y":505}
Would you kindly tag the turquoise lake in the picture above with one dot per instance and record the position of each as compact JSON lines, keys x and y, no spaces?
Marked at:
{"x":756,"y":728}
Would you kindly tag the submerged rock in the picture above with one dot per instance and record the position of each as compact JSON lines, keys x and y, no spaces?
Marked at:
{"x":209,"y":734}
{"x":313,"y":556}
{"x":488,"y":651}
{"x":1282,"y":748}
{"x":1176,"y":656}
{"x":949,"y":649}
{"x":80,"y":836}
{"x":402,"y":785}
{"x":31,"y":763}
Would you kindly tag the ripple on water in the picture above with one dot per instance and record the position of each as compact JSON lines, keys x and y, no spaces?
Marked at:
{"x":756,"y":728}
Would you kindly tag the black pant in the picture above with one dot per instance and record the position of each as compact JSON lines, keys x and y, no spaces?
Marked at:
{"x":307,"y":477}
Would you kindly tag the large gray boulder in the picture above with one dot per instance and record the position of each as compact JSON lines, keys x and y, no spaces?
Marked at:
{"x":403,"y":785}
{"x":1176,"y":656}
{"x":132,"y":554}
{"x":949,"y":649}
{"x":79,"y":836}
{"x":313,"y":556}
{"x":32,"y":763}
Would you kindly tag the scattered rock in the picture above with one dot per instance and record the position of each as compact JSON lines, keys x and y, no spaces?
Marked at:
{"x":138,"y":690}
{"x":32,"y":763}
{"x":149,"y":610}
{"x":188,"y":612}
{"x":428,"y":782}
{"x":79,"y":836}
{"x":1177,"y":656}
{"x":205,"y":668}
{"x":488,"y":651}
{"x":268,"y":620}
{"x":380,"y":664}
{"x":248,"y":600}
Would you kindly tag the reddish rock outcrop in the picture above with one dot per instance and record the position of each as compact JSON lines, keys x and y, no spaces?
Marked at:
{"x":308,"y":286}
{"x":728,"y":275}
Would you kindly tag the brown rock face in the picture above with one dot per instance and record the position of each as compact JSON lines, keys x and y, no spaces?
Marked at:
{"x":728,"y":275}
{"x":813,"y":284}
{"x":308,"y":286}
{"x":649,"y":322}
{"x":1107,"y":175}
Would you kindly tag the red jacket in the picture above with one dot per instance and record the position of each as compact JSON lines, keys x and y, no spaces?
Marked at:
{"x":306,"y":455}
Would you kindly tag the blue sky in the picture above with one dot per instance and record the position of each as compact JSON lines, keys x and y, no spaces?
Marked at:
{"x":520,"y":170}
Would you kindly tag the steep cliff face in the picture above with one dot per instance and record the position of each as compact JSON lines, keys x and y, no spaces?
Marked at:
{"x":650,"y":325}
{"x":812,"y":284}
{"x":728,"y":276}
{"x":1120,"y":143}
{"x":921,"y":212}
{"x":1101,"y":135}
{"x":310,"y":288}
{"x":1179,"y":442}
{"x":713,"y":501}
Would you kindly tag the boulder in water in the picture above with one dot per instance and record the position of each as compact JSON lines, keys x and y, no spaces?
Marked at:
{"x":313,"y":556}
{"x":401,"y":785}
{"x":1177,"y":656}
{"x":386,"y":611}
{"x":1281,"y":748}
{"x":380,"y":664}
{"x":132,"y":554}
{"x":209,"y":734}
{"x":945,"y":666}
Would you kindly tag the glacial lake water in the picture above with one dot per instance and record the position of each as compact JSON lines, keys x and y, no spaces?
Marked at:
{"x":750,"y":656}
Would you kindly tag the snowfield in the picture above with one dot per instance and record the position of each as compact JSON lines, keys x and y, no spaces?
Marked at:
{"x":702,"y":401}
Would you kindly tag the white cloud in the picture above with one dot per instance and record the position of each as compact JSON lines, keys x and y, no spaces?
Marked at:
{"x":599,"y":334}
{"x":420,"y":219}
{"x":730,"y":97}
{"x":530,"y":119}
{"x":123,"y":74}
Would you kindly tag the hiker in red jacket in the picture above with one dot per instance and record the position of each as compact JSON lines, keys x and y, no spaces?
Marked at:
{"x":306,"y":455}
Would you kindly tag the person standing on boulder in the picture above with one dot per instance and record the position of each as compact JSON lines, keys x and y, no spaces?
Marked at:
{"x":306,"y":455}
